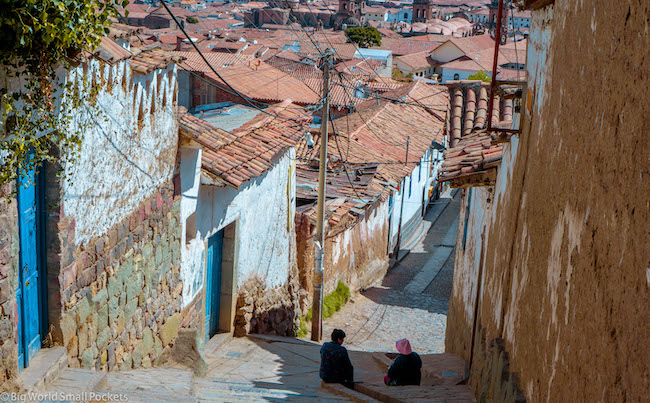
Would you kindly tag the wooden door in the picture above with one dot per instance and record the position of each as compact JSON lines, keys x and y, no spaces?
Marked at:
{"x":30,"y":301}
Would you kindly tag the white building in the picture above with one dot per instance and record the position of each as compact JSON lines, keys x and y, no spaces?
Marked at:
{"x":400,"y":15}
{"x":238,"y":203}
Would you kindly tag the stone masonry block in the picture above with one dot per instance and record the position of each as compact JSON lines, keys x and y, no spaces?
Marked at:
{"x":103,"y":338}
{"x":68,"y":325}
{"x":147,"y":340}
{"x":129,"y":309}
{"x":114,"y":309}
{"x":100,"y":298}
{"x":134,"y":286}
{"x":102,"y":318}
{"x":83,"y":310}
{"x":6,"y":291}
{"x":115,"y":286}
{"x":170,"y":329}
{"x":69,"y":275}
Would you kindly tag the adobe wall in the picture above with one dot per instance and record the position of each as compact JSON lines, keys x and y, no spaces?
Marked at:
{"x":9,"y":248}
{"x":566,"y":284}
{"x":355,"y":253}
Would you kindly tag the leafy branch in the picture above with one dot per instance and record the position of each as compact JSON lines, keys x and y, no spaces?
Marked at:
{"x":38,"y":41}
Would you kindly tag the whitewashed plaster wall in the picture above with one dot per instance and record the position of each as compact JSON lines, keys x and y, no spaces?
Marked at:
{"x":419,"y":180}
{"x":263,"y":209}
{"x":342,"y":247}
{"x":128,"y":150}
{"x":192,"y":256}
{"x":448,"y":74}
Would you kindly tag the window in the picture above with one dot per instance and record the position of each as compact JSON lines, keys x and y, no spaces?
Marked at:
{"x":456,"y":77}
{"x":410,"y":185}
{"x":405,"y":15}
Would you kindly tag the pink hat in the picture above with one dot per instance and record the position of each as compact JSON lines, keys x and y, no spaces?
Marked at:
{"x":403,"y":346}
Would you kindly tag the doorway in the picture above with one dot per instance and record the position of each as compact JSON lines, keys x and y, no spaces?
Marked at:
{"x":30,"y":294}
{"x":221,"y":281}
{"x":213,"y":284}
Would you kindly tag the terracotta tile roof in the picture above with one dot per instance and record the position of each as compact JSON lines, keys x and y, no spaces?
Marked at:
{"x":359,"y":67}
{"x":122,"y":31}
{"x":343,"y":206}
{"x":248,"y":152}
{"x":388,"y":33}
{"x":193,"y":60}
{"x":406,"y":46}
{"x":378,"y":133}
{"x":259,"y":81}
{"x":473,"y":161}
{"x":143,"y":60}
{"x":473,"y":155}
{"x":110,"y":52}
{"x":148,"y":59}
{"x":374,"y":166}
{"x":417,"y":61}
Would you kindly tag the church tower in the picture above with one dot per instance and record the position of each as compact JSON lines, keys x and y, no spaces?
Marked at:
{"x":505,"y":14}
{"x":422,"y":10}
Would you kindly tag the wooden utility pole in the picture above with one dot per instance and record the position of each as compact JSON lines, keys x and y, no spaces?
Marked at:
{"x":319,"y":240}
{"x":401,"y":209}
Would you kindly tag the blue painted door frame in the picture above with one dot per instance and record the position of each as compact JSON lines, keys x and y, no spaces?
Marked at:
{"x":31,"y":292}
{"x":213,"y":284}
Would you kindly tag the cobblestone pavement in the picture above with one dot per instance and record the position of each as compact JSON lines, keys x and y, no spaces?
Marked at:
{"x":378,"y":316}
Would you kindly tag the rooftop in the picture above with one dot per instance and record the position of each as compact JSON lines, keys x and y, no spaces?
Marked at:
{"x":226,"y":115}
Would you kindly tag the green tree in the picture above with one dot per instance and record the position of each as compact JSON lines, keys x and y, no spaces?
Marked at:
{"x":364,"y":37}
{"x":480,"y":75}
{"x":191,"y":20}
{"x":37,"y":37}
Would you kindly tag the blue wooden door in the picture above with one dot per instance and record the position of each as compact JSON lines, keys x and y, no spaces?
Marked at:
{"x":29,"y":293}
{"x":213,"y":285}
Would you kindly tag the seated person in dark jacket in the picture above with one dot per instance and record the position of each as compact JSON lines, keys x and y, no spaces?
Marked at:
{"x":405,"y":370}
{"x":335,"y":365}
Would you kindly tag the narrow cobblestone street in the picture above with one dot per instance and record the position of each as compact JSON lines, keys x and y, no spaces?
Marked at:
{"x":412,"y":300}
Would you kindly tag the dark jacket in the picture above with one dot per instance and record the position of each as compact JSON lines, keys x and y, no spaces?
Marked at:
{"x":405,"y":370}
{"x":335,"y":365}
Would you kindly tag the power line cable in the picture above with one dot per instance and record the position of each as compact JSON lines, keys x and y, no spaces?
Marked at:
{"x":163,"y":2}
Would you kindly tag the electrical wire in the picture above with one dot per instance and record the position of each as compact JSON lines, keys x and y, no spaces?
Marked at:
{"x":163,"y":2}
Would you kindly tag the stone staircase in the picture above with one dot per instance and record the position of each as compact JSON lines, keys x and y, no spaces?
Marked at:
{"x":236,"y":375}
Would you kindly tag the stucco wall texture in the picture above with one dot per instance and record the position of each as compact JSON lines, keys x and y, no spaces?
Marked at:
{"x":566,"y":279}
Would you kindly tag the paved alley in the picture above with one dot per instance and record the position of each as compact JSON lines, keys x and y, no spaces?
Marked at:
{"x":263,"y":368}
{"x":413,"y":299}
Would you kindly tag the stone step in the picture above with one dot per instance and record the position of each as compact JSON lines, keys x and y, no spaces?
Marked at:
{"x":76,"y":380}
{"x":44,"y":367}
{"x":351,"y":394}
{"x":157,"y":382}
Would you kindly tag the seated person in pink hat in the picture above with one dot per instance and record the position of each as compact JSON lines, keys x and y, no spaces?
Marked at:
{"x":405,"y":370}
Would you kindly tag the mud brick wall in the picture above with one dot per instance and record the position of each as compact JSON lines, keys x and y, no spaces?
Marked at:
{"x":120,"y":297}
{"x":355,"y":252}
{"x":565,"y":259}
{"x":9,"y":247}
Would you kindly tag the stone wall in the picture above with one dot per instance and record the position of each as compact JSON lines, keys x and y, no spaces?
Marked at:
{"x":267,"y":311}
{"x":565,"y":279}
{"x":120,"y":298}
{"x":9,"y":247}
